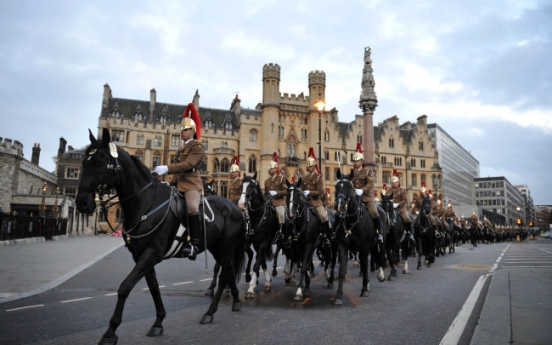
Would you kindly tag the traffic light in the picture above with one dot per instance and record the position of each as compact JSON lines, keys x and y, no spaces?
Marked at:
{"x":519,"y":221}
{"x":531,"y":223}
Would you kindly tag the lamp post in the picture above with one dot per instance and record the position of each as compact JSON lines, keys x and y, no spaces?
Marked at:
{"x":42,"y":207}
{"x":320,"y":105}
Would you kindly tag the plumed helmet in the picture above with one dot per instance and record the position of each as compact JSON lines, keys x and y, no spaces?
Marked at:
{"x":395,"y":177}
{"x":274,"y":162}
{"x":358,"y":156}
{"x":311,"y":162}
{"x":423,"y":189}
{"x":235,"y":165}
{"x":191,"y":120}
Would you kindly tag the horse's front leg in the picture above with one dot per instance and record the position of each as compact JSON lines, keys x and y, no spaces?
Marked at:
{"x":255,"y":273}
{"x":268,"y":278}
{"x":153,"y":285}
{"x":275,"y":262}
{"x":304,"y":279}
{"x":144,"y":263}
{"x":343,"y":258}
{"x":250,"y":253}
{"x":419,"y":250}
{"x":363,"y":258}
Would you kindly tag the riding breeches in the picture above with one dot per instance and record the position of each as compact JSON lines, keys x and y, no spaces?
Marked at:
{"x":321,"y":214}
{"x":405,"y":216}
{"x":192,"y":201}
{"x":371,"y":206}
{"x":281,"y":212}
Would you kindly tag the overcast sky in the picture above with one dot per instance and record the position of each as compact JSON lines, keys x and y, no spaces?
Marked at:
{"x":482,"y":70}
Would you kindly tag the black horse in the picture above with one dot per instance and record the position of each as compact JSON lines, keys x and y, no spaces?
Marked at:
{"x":474,"y":231}
{"x":396,"y":234}
{"x":354,"y":230}
{"x":151,"y":226}
{"x":425,"y":234}
{"x":306,"y":226}
{"x":264,"y":223}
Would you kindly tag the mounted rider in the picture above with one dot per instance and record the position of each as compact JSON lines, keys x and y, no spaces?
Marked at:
{"x":399,"y":199}
{"x":439,"y":212}
{"x":276,"y":188}
{"x":234,"y":190}
{"x":186,"y":177}
{"x":449,"y":213}
{"x":313,"y":188}
{"x":364,"y":187}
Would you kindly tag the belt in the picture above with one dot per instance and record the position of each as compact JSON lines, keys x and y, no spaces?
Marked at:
{"x":191,"y":171}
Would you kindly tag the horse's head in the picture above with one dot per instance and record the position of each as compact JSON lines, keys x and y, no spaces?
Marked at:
{"x":387,"y":202}
{"x":296,"y":198}
{"x":426,"y":205}
{"x":208,"y":188}
{"x":344,"y":191}
{"x":250,"y":190}
{"x":100,"y":169}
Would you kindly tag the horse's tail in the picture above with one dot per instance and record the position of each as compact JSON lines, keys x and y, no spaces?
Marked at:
{"x":238,"y":261}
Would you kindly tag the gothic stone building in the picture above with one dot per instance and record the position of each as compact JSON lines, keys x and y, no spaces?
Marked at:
{"x":285,"y":123}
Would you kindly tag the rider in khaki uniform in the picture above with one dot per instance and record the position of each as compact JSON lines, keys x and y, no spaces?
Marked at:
{"x":399,"y":198}
{"x":313,"y":188}
{"x":276,"y":187}
{"x":186,"y":177}
{"x":364,"y":187}
{"x":234,"y":190}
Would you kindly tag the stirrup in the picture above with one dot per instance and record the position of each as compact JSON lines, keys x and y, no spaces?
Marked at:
{"x":190,"y":251}
{"x":379,"y":238}
{"x":278,"y":238}
{"x":326,"y":243}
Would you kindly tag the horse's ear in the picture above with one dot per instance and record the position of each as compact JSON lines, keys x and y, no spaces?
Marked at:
{"x":352,"y":174}
{"x":106,"y":137}
{"x":338,"y":174}
{"x":299,"y":182}
{"x":287,"y":182}
{"x":92,"y":137}
{"x":254,"y":176}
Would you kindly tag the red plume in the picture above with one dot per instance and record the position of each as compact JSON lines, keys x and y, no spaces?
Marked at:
{"x":384,"y":186}
{"x":293,"y":179}
{"x":235,"y":160}
{"x":329,"y":194}
{"x":275,"y":158}
{"x":191,"y":112}
{"x":359,"y":147}
{"x":311,"y":154}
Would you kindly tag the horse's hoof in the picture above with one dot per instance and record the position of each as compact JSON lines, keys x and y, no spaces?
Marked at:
{"x":268,"y":288}
{"x":209,"y":293}
{"x":109,"y":341}
{"x":338,"y":301}
{"x":391,"y":278}
{"x":381,"y":279}
{"x":406,"y":272}
{"x":155,"y":331}
{"x":274,"y":272}
{"x":206,"y":319}
{"x":247,"y":278}
{"x":364,"y":294}
{"x":249,"y":295}
{"x":298,"y":298}
{"x":236,"y":306}
{"x":329,"y":286}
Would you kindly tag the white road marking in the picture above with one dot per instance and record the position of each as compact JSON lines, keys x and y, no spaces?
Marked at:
{"x":75,"y":300}
{"x":27,"y":307}
{"x":182,"y":283}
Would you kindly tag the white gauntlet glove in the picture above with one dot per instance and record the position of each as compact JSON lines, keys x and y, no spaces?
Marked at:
{"x":307,"y":192}
{"x":395,"y":205}
{"x":359,"y":192}
{"x":272,"y":192}
{"x":160,"y":170}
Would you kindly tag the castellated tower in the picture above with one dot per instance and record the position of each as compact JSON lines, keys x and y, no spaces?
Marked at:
{"x":317,"y":92}
{"x":271,"y":111}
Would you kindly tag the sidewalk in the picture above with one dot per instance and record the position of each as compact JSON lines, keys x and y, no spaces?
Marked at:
{"x":31,"y":268}
{"x":517,"y":308}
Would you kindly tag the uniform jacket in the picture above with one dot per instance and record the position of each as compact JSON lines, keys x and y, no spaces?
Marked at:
{"x":450,"y":213}
{"x":313,"y":183}
{"x":277,"y":183}
{"x":187,"y":160}
{"x":399,"y":197}
{"x":362,"y":179}
{"x":234,"y":191}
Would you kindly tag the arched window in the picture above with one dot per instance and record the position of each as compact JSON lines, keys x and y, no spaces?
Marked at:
{"x":205,"y":144}
{"x":140,"y":139}
{"x":421,"y":145}
{"x":293,"y":150}
{"x":359,"y":138}
{"x":157,"y":141}
{"x":216,"y":165}
{"x":252,"y":164}
{"x":138,"y":154}
{"x":272,"y":128}
{"x":224,"y":164}
{"x":327,"y":136}
{"x":253,"y":135}
{"x":280,"y":131}
{"x":391,"y":143}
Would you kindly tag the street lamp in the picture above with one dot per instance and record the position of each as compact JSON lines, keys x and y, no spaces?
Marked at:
{"x":55,"y":209}
{"x":320,"y":105}
{"x":42,"y":207}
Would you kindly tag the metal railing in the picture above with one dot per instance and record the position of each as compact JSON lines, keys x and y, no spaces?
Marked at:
{"x":20,"y":227}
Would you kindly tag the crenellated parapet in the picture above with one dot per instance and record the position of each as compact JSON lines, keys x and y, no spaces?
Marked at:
{"x":11,"y":147}
{"x":271,"y":70}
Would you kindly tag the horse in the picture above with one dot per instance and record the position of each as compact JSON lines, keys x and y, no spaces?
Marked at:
{"x":454,"y":234}
{"x":354,"y":230}
{"x":304,"y":221}
{"x":152,"y":227}
{"x":396,"y":234}
{"x":264,"y":223}
{"x":473,"y":228}
{"x":424,"y":233}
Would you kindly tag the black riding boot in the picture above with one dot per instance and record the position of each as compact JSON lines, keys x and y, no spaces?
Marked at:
{"x":190,"y":249}
{"x":279,"y":235}
{"x":326,"y":234}
{"x":409,"y":230}
{"x":379,"y":229}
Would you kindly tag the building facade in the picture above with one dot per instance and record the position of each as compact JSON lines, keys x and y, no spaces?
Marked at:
{"x":529,"y":207}
{"x":459,"y":167}
{"x":498,"y":195}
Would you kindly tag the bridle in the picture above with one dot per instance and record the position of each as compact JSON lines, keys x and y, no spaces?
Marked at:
{"x":298,"y":207}
{"x":265,"y":207}
{"x":342,"y":215}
